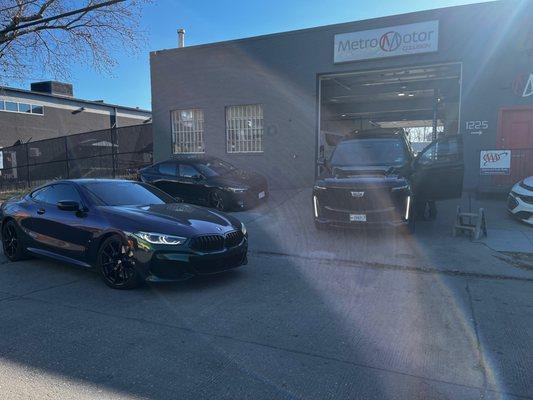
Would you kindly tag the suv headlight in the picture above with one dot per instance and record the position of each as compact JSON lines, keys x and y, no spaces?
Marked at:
{"x":160,"y":238}
{"x":400,"y":188}
{"x":236,"y":189}
{"x":243,"y":229}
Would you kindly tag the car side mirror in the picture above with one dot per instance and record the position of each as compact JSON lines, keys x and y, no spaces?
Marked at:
{"x":68,"y":205}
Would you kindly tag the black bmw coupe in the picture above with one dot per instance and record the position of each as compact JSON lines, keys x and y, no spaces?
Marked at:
{"x":130,"y":232}
{"x":208,"y":181}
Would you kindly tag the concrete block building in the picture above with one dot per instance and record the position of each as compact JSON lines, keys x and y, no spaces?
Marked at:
{"x":277,"y":103}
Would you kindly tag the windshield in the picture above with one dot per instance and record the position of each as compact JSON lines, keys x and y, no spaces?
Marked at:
{"x":215,"y":168}
{"x":369,"y":152}
{"x":126,"y":194}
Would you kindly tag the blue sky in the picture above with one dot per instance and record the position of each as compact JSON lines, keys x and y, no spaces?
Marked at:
{"x":212,"y":21}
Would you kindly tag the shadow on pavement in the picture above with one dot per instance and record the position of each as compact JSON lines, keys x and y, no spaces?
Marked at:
{"x":283,"y":327}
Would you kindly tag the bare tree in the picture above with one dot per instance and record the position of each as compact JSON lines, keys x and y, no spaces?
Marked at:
{"x":47,"y":36}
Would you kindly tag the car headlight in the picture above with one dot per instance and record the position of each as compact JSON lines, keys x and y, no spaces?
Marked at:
{"x":160,"y":238}
{"x":243,"y":229}
{"x":400,"y":188}
{"x":236,"y":189}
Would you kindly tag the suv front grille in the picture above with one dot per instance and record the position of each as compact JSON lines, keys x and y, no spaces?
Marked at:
{"x":217,"y":242}
{"x":372,"y":199}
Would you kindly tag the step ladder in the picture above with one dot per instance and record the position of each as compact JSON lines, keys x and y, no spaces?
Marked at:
{"x":473,"y":224}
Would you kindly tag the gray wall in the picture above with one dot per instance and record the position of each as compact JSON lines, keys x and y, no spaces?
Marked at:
{"x":280,"y":71}
{"x":56,"y":121}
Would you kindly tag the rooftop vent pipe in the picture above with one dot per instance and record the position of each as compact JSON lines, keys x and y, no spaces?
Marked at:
{"x":181,"y":37}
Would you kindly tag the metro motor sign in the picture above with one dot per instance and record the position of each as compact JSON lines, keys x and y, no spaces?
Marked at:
{"x":422,"y":37}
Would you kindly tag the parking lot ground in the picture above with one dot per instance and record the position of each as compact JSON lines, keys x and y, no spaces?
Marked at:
{"x":284,"y":225}
{"x":353,"y":316}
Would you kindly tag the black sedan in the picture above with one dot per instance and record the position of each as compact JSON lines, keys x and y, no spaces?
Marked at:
{"x":207,"y":181}
{"x":130,"y":232}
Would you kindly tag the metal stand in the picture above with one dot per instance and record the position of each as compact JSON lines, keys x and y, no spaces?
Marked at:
{"x":473,"y":224}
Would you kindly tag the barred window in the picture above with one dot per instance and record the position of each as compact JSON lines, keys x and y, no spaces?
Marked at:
{"x":188,"y":131}
{"x":244,"y":129}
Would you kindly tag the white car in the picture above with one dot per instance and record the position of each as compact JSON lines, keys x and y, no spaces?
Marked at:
{"x":520,"y":201}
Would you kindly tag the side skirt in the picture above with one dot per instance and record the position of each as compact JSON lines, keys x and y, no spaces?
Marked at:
{"x":58,"y":257}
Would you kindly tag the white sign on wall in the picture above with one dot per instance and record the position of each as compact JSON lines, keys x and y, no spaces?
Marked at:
{"x":495,"y":162}
{"x":422,"y":37}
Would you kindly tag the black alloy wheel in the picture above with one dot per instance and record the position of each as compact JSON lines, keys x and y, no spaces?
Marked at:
{"x":116,"y":266}
{"x":11,"y":242}
{"x":217,"y":200}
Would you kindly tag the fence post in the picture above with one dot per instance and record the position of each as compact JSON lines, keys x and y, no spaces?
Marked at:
{"x":113,"y":133}
{"x":66,"y":157}
{"x":28,"y":164}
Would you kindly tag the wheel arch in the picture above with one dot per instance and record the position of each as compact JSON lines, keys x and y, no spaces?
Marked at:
{"x":95,"y":245}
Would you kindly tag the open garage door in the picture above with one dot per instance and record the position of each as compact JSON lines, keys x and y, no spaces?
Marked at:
{"x":423,"y":100}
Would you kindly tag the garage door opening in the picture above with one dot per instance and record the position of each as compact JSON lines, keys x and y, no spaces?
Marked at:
{"x":423,"y":100}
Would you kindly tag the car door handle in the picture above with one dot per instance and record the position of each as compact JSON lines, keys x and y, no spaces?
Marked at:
{"x":41,"y":211}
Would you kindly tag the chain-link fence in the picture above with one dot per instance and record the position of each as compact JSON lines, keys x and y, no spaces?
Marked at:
{"x":109,"y":153}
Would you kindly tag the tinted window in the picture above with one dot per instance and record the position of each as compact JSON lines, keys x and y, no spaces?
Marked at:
{"x":168,"y":168}
{"x":188,"y":171}
{"x":215,"y":167}
{"x":126,"y":194}
{"x":56,"y":193}
{"x":369,"y":152}
{"x":38,"y":194}
{"x":448,"y":150}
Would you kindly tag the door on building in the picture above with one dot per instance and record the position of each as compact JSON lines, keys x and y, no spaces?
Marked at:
{"x":516,"y":134}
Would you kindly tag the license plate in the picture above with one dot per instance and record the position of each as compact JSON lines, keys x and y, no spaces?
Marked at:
{"x":358,"y":217}
{"x":261,"y":195}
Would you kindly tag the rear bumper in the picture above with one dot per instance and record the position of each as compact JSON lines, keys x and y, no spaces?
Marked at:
{"x":249,"y":199}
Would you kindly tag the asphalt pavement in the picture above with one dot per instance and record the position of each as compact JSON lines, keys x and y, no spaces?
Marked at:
{"x":314,"y":315}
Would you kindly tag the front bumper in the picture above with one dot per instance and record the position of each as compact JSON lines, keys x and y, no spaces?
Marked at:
{"x":382,"y":212}
{"x":519,"y":208}
{"x":376,"y":219}
{"x":169,"y":265}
